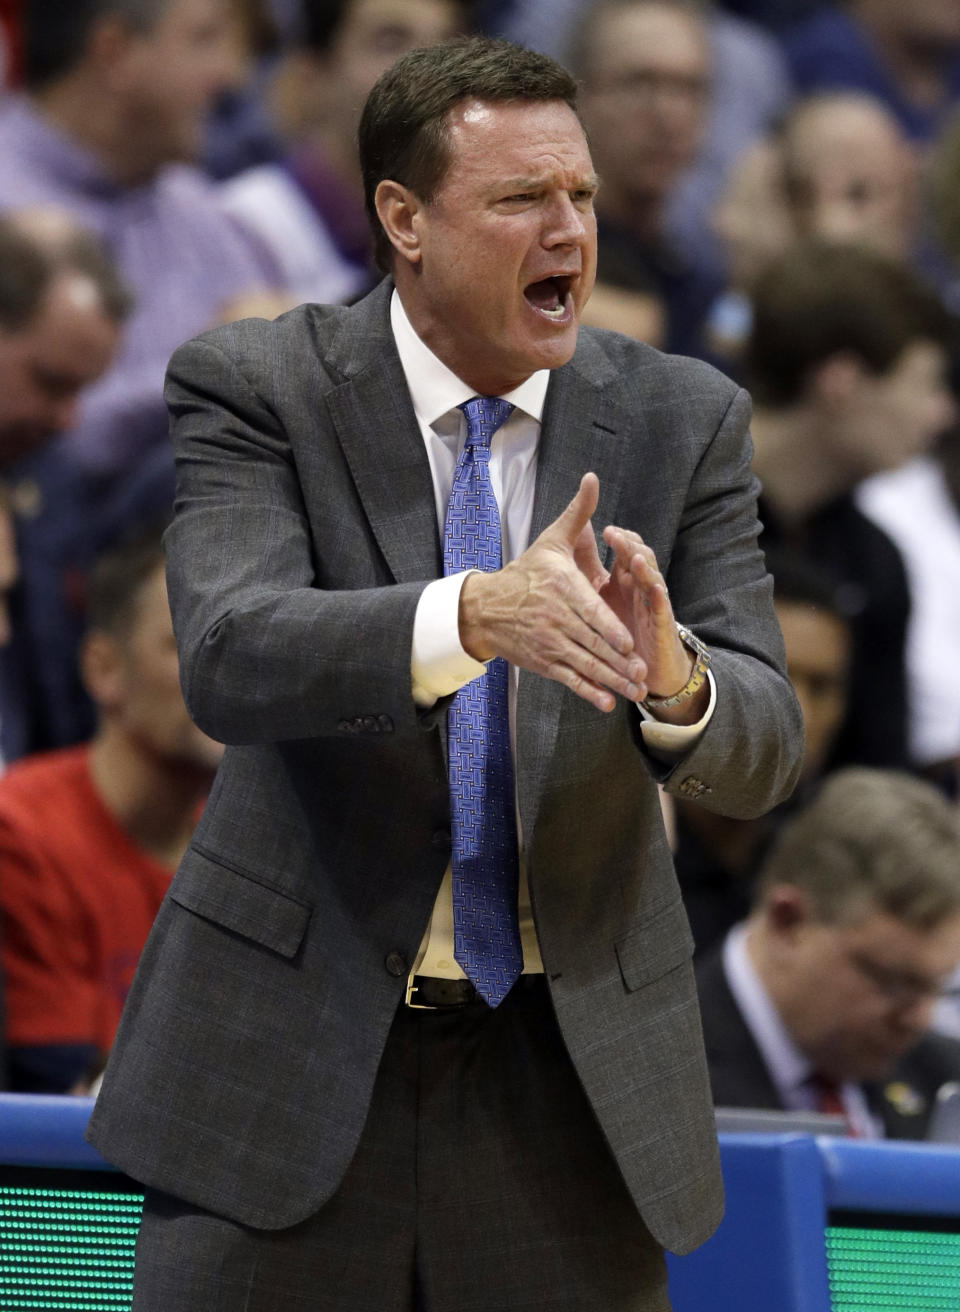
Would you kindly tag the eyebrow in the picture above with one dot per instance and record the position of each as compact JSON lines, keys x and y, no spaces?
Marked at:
{"x":591,"y":180}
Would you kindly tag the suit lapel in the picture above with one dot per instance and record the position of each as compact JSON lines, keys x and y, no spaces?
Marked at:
{"x":580,"y":433}
{"x":381,"y":440}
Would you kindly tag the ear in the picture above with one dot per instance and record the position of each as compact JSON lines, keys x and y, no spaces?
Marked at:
{"x":787,"y":911}
{"x":102,"y":669}
{"x":837,"y":380}
{"x":398,"y":210}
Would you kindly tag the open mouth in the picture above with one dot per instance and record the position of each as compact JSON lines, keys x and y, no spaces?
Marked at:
{"x":551,"y":296}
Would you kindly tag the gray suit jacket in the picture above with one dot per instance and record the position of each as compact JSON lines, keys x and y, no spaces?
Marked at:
{"x":305,"y":532}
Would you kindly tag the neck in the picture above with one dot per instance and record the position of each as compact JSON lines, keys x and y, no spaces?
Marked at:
{"x":90,"y":118}
{"x":153,"y":800}
{"x":793,"y":463}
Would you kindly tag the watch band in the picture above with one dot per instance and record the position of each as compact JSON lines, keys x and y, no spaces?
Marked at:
{"x":698,"y":675}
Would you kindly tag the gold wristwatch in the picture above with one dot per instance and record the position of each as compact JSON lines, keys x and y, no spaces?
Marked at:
{"x":698,"y":676}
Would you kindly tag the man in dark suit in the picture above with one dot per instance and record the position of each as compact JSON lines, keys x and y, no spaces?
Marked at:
{"x":338,"y":1085}
{"x":822,"y":999}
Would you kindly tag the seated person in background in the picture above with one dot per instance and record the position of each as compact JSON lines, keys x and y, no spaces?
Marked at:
{"x":717,"y":857}
{"x":645,"y":68}
{"x":847,"y":362}
{"x":850,"y":173}
{"x":62,"y":308}
{"x":111,"y":118}
{"x":905,"y":54}
{"x":823,"y":998}
{"x":90,"y":836}
{"x":307,"y":207}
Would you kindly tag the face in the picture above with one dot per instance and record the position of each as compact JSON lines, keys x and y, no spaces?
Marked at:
{"x":44,"y":366}
{"x":857,"y":997}
{"x":852,"y":177}
{"x":374,"y":34}
{"x":145,"y":700}
{"x":818,"y":663}
{"x":171,"y":75}
{"x":751,"y":218}
{"x":497,"y":267}
{"x":645,"y":102}
{"x":897,"y":415}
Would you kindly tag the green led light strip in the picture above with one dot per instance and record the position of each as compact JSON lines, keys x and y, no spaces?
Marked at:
{"x":67,"y":1250}
{"x":888,"y":1270}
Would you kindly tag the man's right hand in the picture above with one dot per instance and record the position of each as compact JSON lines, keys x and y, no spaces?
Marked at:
{"x":543,"y":612}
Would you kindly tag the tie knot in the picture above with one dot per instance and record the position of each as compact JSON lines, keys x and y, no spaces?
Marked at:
{"x":484,"y":415}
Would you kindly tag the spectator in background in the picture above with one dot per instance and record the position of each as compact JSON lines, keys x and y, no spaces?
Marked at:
{"x":749,"y":88}
{"x":117,"y":93}
{"x":847,"y":362}
{"x":754,"y":227}
{"x":240,"y":129}
{"x":907,"y":55}
{"x":838,"y":168}
{"x":62,"y":307}
{"x":823,"y":998}
{"x":308,"y":208}
{"x":919,"y":507}
{"x":90,"y":836}
{"x":645,"y":72}
{"x":717,"y":857}
{"x":850,"y":173}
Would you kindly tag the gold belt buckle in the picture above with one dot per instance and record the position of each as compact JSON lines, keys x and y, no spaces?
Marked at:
{"x":411,"y":990}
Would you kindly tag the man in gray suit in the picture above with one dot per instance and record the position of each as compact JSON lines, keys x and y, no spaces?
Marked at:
{"x":338,"y":1092}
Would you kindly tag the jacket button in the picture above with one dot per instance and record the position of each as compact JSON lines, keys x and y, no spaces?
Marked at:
{"x":370,"y":724}
{"x":344,"y":726}
{"x":396,"y":964}
{"x":385,"y":723}
{"x":440,"y":841}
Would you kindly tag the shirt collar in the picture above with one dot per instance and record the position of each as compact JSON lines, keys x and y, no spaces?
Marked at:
{"x":789,"y":1068}
{"x":56,"y":154}
{"x":436,"y":390}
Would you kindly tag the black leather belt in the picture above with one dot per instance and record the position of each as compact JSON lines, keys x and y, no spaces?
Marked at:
{"x":430,"y":993}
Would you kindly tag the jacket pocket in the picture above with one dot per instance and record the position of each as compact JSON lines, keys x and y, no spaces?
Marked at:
{"x":655,"y":947}
{"x":238,"y":901}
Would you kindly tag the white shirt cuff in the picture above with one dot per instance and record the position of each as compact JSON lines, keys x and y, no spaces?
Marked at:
{"x":438,"y":663}
{"x":671,"y":741}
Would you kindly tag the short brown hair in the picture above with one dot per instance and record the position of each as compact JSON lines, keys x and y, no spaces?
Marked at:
{"x":823,"y":298}
{"x":873,"y":840}
{"x":30,"y":262}
{"x":404,"y":132}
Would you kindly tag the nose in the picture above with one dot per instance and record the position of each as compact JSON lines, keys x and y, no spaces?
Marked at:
{"x":565,"y":223}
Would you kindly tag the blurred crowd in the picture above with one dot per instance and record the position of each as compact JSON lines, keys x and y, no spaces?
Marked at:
{"x":780,"y":195}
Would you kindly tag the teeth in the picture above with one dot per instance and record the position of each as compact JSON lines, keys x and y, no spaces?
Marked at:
{"x":556,"y":313}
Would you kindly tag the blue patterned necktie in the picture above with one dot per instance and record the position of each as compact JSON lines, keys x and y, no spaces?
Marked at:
{"x":486,"y":930}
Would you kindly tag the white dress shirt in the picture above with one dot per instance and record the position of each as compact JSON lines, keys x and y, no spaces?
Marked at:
{"x":439,"y":665}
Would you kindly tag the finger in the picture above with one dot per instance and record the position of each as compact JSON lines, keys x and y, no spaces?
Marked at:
{"x":570,"y":524}
{"x":585,"y":649}
{"x":587,"y":559}
{"x":627,"y":544}
{"x":589,"y":608}
{"x":594,"y":683}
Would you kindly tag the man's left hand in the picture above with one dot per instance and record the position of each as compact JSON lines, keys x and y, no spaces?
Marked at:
{"x":637,"y":594}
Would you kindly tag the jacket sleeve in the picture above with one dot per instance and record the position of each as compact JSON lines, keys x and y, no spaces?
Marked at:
{"x":749,"y":756}
{"x":265,"y":654}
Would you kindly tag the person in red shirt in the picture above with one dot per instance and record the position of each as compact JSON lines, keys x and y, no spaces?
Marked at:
{"x":90,"y":835}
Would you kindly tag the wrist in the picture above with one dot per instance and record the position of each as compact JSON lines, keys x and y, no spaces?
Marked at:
{"x":679,"y":705}
{"x":474,"y":638}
